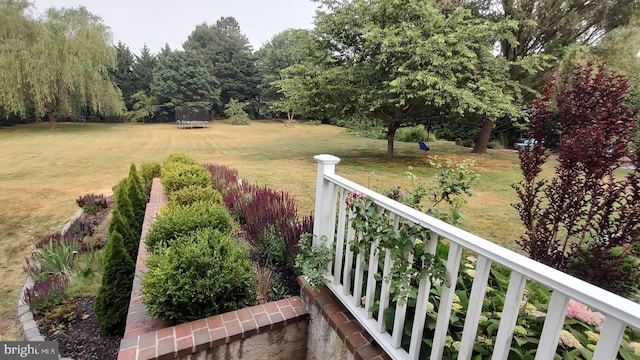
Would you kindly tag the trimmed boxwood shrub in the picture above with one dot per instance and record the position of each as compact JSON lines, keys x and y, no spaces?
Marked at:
{"x":181,"y":158}
{"x":411,"y":134}
{"x":148,"y":171}
{"x":194,"y":193}
{"x":204,"y":274}
{"x":177,"y":176}
{"x":179,"y":221}
{"x":112,"y":302}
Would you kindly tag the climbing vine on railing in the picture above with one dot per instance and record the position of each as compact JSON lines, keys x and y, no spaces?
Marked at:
{"x":312,"y":261}
{"x":406,"y":241}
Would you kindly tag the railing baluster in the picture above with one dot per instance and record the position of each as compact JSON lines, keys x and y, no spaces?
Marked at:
{"x":446,"y":301}
{"x":357,"y":283}
{"x":420,"y":316}
{"x":331,"y":220}
{"x":610,"y":337}
{"x":474,"y":310}
{"x":342,"y":210}
{"x":370,"y":295}
{"x":348,"y":259}
{"x":553,"y":324}
{"x":509,"y":318}
{"x":398,"y":321}
{"x":386,"y":285}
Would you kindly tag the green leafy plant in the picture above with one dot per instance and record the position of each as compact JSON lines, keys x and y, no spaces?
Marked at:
{"x":235,"y":111}
{"x":194,"y":193}
{"x":148,"y":171}
{"x":176,"y":176}
{"x":175,"y":222}
{"x":112,"y":301}
{"x":180,"y":158}
{"x":312,"y":261}
{"x":411,"y":134}
{"x":200,"y":275}
{"x":54,"y":258}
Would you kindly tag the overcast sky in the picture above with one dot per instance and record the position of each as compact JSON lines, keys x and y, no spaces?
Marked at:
{"x":156,"y":22}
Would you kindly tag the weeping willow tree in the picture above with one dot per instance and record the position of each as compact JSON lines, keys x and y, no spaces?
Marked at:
{"x":57,"y":64}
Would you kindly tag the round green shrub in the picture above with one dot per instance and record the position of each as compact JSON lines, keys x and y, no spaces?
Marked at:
{"x":178,"y":221}
{"x":411,"y":134}
{"x":178,"y":176}
{"x":181,"y":158}
{"x":148,"y":171}
{"x":201,"y":275}
{"x":194,"y":193}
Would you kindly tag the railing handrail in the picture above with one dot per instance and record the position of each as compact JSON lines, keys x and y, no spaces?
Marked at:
{"x":604,"y":301}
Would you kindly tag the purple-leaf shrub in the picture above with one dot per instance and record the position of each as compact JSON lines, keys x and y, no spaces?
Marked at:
{"x":224,"y":178}
{"x":44,"y":290}
{"x":585,"y":216}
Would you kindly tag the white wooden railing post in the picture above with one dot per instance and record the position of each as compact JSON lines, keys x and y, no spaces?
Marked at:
{"x":321,"y":217}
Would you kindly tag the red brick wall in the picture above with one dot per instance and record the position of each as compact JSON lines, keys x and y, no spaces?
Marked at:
{"x":146,"y":338}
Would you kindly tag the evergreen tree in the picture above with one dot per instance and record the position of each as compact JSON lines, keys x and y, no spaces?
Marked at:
{"x":181,"y":78}
{"x":120,"y":225}
{"x":138,"y":199}
{"x":229,"y":58}
{"x":123,"y":73}
{"x":112,"y":301}
{"x":143,"y":70}
{"x":125,"y":205}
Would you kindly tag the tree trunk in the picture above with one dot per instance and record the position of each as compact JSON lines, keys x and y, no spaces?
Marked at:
{"x":483,"y":139}
{"x":391,"y":133}
{"x":52,"y":120}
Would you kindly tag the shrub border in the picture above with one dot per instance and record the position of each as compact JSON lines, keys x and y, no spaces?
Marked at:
{"x":146,"y":338}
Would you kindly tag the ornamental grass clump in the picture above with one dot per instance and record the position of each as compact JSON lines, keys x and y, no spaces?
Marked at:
{"x":202,"y":274}
{"x":585,"y":220}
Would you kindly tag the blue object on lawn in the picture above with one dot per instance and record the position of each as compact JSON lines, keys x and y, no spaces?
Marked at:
{"x":423,"y":146}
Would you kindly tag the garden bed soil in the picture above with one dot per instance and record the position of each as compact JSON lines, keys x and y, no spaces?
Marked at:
{"x":81,"y":338}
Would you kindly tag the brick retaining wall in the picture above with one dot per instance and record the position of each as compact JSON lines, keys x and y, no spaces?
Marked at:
{"x":275,"y":330}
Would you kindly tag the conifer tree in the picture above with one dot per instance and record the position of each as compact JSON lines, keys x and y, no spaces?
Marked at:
{"x":112,"y":302}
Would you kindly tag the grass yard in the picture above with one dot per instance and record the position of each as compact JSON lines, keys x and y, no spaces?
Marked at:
{"x":43,"y":171}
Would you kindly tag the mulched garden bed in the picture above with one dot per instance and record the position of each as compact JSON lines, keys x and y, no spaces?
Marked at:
{"x":77,"y":332}
{"x":73,"y":324}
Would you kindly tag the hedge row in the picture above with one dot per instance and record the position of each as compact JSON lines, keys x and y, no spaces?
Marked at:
{"x":197,"y":268}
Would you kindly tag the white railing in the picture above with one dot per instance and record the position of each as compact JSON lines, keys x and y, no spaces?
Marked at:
{"x":331,"y":193}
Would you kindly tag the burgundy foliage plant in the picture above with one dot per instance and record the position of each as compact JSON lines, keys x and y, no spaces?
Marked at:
{"x":46,"y":289}
{"x":585,"y":219}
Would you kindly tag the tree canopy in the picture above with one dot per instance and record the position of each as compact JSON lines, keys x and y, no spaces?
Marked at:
{"x":57,"y":64}
{"x":396,"y":60}
{"x":229,"y":58}
{"x":181,"y":78}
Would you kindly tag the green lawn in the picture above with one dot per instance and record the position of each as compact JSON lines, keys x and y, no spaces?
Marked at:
{"x":43,"y":171}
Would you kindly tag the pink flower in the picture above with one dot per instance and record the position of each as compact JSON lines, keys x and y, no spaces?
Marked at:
{"x":581,"y":312}
{"x":351,"y":197}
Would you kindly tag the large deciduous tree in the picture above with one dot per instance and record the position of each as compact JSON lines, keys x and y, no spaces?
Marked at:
{"x":400,"y":59}
{"x":229,"y":57}
{"x":285,"y":49}
{"x":181,"y":78}
{"x":57,"y":64}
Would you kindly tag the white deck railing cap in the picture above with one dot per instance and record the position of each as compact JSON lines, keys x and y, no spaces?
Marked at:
{"x":327,"y":159}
